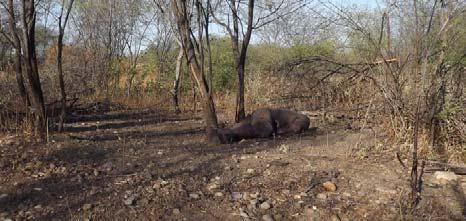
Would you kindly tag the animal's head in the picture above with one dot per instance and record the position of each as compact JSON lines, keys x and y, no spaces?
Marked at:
{"x":227,"y":136}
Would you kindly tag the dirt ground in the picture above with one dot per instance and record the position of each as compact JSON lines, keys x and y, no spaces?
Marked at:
{"x":154,"y":165}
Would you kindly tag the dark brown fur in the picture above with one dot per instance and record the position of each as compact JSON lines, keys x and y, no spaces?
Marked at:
{"x":264,"y":123}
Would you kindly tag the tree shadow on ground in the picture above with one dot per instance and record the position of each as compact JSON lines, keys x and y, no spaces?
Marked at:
{"x":187,"y":162}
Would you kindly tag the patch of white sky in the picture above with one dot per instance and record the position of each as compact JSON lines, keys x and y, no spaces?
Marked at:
{"x":218,"y":30}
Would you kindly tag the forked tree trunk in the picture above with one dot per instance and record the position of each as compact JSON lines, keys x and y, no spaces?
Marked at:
{"x":210,"y":116}
{"x":32,"y":72}
{"x":240,"y":52}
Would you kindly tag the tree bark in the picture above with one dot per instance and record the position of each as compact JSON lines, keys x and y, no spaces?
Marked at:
{"x":176,"y":83}
{"x":17,"y":57}
{"x":240,"y":54}
{"x":210,"y":116}
{"x":61,"y":80}
{"x":32,"y":72}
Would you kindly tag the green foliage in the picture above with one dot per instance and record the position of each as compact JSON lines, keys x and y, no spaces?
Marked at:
{"x":223,"y":64}
{"x":449,"y":110}
{"x":323,"y":49}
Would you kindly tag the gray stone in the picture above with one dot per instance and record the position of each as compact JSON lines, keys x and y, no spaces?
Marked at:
{"x":176,"y":211}
{"x":236,"y":196}
{"x":194,"y":196}
{"x":268,"y":217}
{"x":321,"y":196}
{"x":265,"y":206}
{"x":444,"y":177}
{"x":129,"y":201}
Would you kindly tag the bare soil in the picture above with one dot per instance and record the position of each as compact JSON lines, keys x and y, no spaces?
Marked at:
{"x":154,"y":165}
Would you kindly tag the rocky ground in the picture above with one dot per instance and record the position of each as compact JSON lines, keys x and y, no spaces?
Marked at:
{"x":152,"y":165}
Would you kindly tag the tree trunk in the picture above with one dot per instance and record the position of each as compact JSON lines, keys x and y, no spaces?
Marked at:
{"x":240,"y":112}
{"x":240,"y":54}
{"x":176,"y":83}
{"x":439,"y":84}
{"x":20,"y":79}
{"x":17,"y":57}
{"x":61,"y":81}
{"x":32,"y":72}
{"x":210,"y":116}
{"x":130,"y":81}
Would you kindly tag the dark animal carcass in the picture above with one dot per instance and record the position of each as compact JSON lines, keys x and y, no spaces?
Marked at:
{"x":264,"y":123}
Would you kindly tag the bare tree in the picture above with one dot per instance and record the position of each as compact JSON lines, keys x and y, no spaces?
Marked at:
{"x":240,"y":28}
{"x":28,"y":20}
{"x":62,"y":22}
{"x":14,"y":39}
{"x":180,"y":11}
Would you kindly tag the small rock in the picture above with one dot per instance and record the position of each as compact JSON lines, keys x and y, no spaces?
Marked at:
{"x":250,"y":170}
{"x":129,"y":201}
{"x":297,"y":197}
{"x":3,"y":196}
{"x":246,"y":196}
{"x":265,"y":206}
{"x":218,"y":194}
{"x":321,"y":196}
{"x":156,"y":186}
{"x":38,"y":207}
{"x":252,"y":205}
{"x":176,"y":211}
{"x":267,"y":217}
{"x":236,"y":196}
{"x":334,"y":217}
{"x":254,"y":195}
{"x":300,"y":203}
{"x":194,"y":196}
{"x":286,"y":192}
{"x":159,"y":184}
{"x":87,"y":206}
{"x":444,"y":177}
{"x":212,"y":186}
{"x":284,"y":148}
{"x":329,"y":186}
{"x":96,"y":173}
